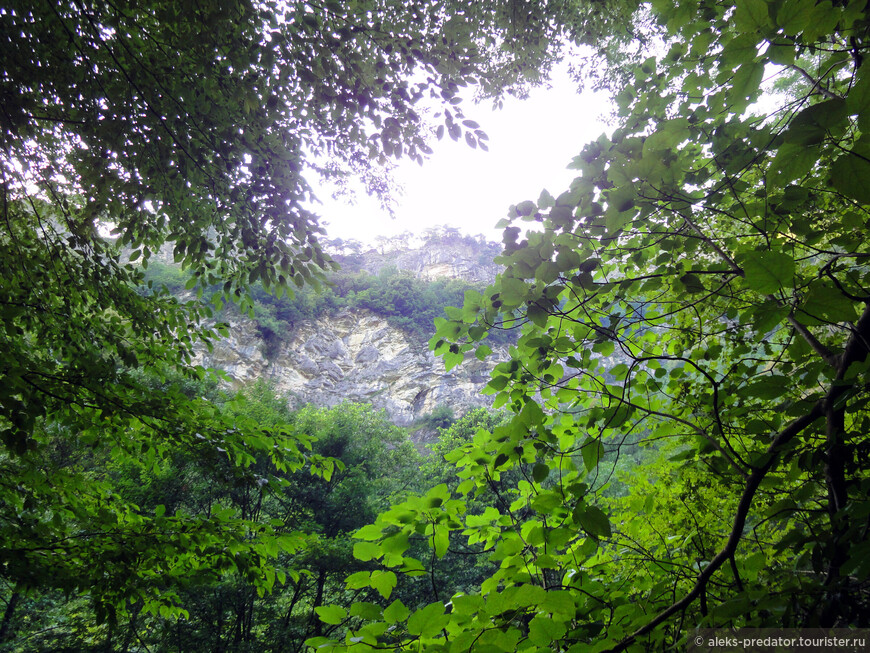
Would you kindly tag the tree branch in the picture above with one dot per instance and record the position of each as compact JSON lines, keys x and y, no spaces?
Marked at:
{"x":730,"y":261}
{"x":752,"y":484}
{"x":817,"y":83}
{"x":856,"y":350}
{"x":829,"y":357}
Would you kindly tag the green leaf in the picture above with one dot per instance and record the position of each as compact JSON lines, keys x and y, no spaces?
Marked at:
{"x":746,"y":83}
{"x":540,"y":472}
{"x":795,"y":15}
{"x":850,"y":175}
{"x":593,"y":520}
{"x":365,"y":610}
{"x":331,"y":614}
{"x":825,"y":304}
{"x":366,"y":551}
{"x":528,"y":595}
{"x":383,"y":582}
{"x":559,"y":602}
{"x":396,"y":612}
{"x":464,"y":604}
{"x":767,"y":272}
{"x":782,"y":52}
{"x":858,"y":100}
{"x":593,"y":451}
{"x":692,"y":283}
{"x":537,"y":315}
{"x":427,"y":621}
{"x":752,"y":15}
{"x":358,"y":580}
{"x":667,"y":135}
{"x":440,"y":540}
{"x":812,"y":125}
{"x":397,"y":543}
{"x":543,"y":630}
{"x":792,"y":162}
{"x":767,"y":315}
{"x":767,"y":387}
{"x":546,"y":502}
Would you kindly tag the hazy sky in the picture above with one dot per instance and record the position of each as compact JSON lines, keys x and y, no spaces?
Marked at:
{"x":530,"y":144}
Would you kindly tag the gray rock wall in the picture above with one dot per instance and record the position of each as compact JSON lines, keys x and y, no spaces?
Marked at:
{"x":359,"y":356}
{"x":354,"y":356}
{"x":457,"y":258}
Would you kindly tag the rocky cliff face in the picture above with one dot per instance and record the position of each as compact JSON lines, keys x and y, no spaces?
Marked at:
{"x":359,"y":356}
{"x":444,"y":257}
{"x":353,"y":356}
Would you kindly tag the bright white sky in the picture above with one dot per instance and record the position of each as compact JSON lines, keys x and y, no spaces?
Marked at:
{"x":530,"y":144}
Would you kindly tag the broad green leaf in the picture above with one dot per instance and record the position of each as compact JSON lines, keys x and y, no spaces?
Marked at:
{"x":792,"y":162}
{"x":427,"y":621}
{"x":752,"y":15}
{"x":440,"y":540}
{"x":543,"y":630}
{"x":383,"y":582}
{"x":358,"y":580}
{"x":559,"y":602}
{"x":746,"y":83}
{"x":546,"y":502}
{"x":366,"y":551}
{"x":396,"y":612}
{"x":331,"y":614}
{"x":858,"y":100}
{"x":767,"y":272}
{"x":825,"y":304}
{"x":795,"y":15}
{"x":540,"y":472}
{"x":767,"y":315}
{"x":667,"y":135}
{"x":850,"y":175}
{"x":593,"y":520}
{"x":365,"y":610}
{"x":692,"y":283}
{"x":482,"y":352}
{"x":767,"y":387}
{"x":815,"y":123}
{"x":593,"y":451}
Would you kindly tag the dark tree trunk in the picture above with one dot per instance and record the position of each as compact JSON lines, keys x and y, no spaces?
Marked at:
{"x":318,"y":601}
{"x":131,"y":627}
{"x":6,"y":624}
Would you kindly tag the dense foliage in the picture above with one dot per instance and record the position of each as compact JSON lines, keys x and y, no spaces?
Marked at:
{"x":198,"y":125}
{"x":697,"y":302}
{"x":225,"y":608}
{"x":702,"y":289}
{"x":407,"y":302}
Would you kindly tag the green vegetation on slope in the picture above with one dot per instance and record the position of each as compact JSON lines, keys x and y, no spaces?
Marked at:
{"x":701,"y":289}
{"x":371,"y":464}
{"x":407,"y":303}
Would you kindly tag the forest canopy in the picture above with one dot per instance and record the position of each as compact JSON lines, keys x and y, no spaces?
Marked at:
{"x":700,"y":292}
{"x":128,"y":125}
{"x":697,"y":301}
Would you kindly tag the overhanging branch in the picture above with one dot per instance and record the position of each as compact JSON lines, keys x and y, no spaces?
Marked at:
{"x":856,"y":350}
{"x":783,"y":438}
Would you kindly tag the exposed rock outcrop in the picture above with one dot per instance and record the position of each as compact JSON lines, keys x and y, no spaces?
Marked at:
{"x":443,"y":258}
{"x":356,"y":356}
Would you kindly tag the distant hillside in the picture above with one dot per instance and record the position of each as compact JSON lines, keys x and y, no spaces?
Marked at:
{"x":363,"y":338}
{"x":438,"y":254}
